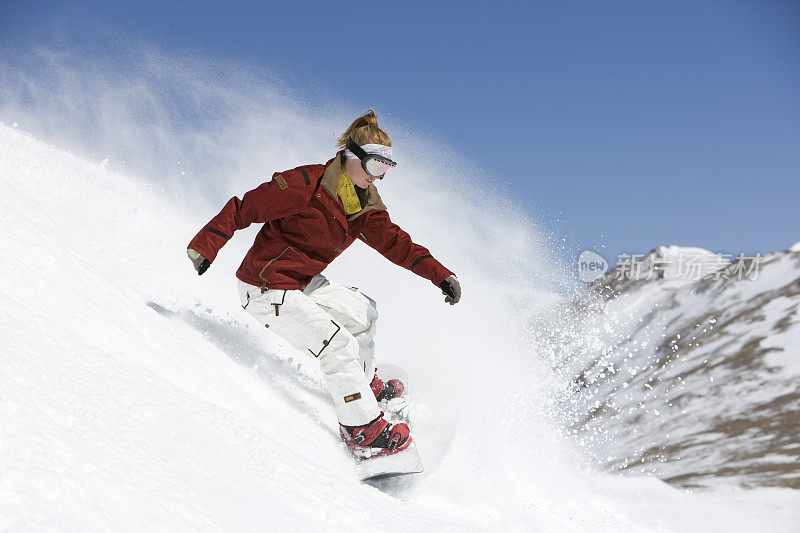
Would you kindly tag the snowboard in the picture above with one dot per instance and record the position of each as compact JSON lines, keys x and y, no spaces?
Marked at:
{"x":384,"y":466}
{"x":395,"y":410}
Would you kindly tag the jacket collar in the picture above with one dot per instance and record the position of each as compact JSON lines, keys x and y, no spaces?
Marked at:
{"x":330,"y":182}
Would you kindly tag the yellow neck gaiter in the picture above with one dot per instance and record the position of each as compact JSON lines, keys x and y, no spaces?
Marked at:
{"x":347,"y":192}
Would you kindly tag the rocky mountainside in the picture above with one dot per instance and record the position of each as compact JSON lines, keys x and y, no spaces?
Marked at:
{"x":684,"y":364}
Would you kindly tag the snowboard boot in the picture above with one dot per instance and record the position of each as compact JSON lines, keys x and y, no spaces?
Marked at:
{"x":377,"y":438}
{"x":385,"y":391}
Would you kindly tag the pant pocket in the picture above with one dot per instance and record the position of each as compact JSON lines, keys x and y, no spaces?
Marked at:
{"x":258,"y":303}
{"x":345,"y":304}
{"x":246,"y":293}
{"x":276,"y":299}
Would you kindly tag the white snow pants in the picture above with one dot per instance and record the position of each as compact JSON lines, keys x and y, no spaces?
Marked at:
{"x":334,"y":324}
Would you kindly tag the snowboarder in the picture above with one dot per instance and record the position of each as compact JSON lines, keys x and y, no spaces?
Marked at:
{"x":311,"y":214}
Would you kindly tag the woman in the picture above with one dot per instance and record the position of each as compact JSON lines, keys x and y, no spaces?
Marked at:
{"x":311,"y":214}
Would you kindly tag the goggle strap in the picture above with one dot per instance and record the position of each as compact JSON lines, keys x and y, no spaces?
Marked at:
{"x":356,"y":149}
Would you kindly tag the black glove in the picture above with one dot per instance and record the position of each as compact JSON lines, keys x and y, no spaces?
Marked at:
{"x":452,"y":289}
{"x":200,"y":263}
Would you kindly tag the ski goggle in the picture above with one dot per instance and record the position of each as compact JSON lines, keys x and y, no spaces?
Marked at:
{"x":375,"y":165}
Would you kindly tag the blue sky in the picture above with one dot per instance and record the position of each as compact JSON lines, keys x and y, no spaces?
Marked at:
{"x":623,"y":125}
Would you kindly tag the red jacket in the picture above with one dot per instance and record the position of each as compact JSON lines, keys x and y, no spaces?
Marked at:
{"x":305,"y":228}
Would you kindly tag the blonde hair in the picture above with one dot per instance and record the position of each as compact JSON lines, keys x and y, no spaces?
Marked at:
{"x":364,"y":130}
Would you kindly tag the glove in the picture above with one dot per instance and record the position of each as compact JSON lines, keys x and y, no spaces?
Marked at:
{"x":200,"y":263}
{"x":452,"y":289}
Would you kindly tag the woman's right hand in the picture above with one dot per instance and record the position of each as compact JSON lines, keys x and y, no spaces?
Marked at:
{"x":452,"y":289}
{"x":200,"y":263}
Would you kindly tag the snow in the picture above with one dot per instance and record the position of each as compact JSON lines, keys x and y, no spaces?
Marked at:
{"x":136,"y":395}
{"x":795,"y":247}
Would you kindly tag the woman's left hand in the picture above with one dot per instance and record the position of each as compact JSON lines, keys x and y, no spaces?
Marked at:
{"x":200,"y":263}
{"x":452,"y":289}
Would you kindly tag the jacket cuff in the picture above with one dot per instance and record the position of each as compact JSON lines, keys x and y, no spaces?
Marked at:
{"x":439,"y":279}
{"x":436,"y":272}
{"x":200,"y":244}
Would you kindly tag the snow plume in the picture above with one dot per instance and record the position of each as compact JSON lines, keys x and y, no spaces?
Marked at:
{"x":175,"y":121}
{"x":165,"y":405}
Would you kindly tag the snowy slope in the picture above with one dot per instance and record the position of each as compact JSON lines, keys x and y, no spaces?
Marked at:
{"x":135,"y":395}
{"x":695,"y":378}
